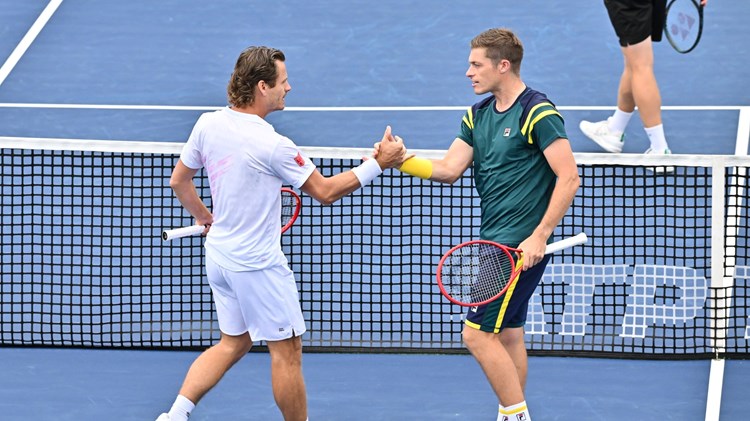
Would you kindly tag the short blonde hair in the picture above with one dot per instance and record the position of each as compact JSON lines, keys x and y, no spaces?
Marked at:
{"x":501,"y":44}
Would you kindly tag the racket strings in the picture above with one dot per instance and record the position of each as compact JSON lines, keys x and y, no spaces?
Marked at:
{"x":683,"y":24}
{"x":288,"y":206}
{"x":477,"y":272}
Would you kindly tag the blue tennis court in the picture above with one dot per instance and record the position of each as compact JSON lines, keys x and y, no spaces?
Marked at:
{"x":144,"y":71}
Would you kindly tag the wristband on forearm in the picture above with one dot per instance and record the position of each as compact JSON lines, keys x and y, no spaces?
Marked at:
{"x":367,"y":171}
{"x":418,"y":167}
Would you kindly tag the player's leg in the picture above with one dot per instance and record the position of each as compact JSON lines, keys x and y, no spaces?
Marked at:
{"x":212,"y":364}
{"x":513,"y":342}
{"x":287,"y":379}
{"x":639,"y":63}
{"x":508,"y":369}
{"x":625,"y":100}
{"x":496,"y":364}
{"x":273,"y":314}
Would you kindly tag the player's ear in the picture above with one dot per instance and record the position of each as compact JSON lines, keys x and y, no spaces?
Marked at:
{"x":503,"y":66}
{"x":262,"y":87}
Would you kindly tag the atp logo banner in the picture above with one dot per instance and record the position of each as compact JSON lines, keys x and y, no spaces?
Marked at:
{"x":622,"y":301}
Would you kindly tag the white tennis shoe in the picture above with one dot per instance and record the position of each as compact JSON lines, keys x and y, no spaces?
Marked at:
{"x":163,"y":417}
{"x":599,"y":132}
{"x":659,"y":170}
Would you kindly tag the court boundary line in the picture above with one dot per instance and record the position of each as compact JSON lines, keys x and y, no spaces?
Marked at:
{"x":28,"y":39}
{"x":144,"y":107}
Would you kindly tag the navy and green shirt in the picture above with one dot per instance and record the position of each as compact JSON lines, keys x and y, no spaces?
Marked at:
{"x":511,"y":174}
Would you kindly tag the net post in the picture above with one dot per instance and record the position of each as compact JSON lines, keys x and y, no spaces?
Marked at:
{"x":725,"y":218}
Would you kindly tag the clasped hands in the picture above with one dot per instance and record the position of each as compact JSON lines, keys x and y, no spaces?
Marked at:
{"x":390,"y":151}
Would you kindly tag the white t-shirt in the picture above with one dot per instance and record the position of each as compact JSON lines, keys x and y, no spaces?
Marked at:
{"x":247,"y":162}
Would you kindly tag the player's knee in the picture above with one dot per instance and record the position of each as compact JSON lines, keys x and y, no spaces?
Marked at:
{"x":512,"y":337}
{"x":288,"y":352}
{"x":472,"y":338}
{"x":236,"y":346}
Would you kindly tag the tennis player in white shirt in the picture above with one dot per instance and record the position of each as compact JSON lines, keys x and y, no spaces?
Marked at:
{"x":255,"y":293}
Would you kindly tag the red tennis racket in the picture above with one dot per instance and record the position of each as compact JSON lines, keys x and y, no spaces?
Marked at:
{"x":290,"y":207}
{"x":479,"y":271}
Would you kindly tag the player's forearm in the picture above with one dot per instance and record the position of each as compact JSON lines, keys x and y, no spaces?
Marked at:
{"x":446,"y":170}
{"x":188,"y":197}
{"x":336,"y":187}
{"x":327,"y":190}
{"x":440,"y":170}
{"x":443,"y":172}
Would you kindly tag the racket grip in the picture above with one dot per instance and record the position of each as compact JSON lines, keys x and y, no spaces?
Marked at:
{"x":567,"y":242}
{"x":182,"y":232}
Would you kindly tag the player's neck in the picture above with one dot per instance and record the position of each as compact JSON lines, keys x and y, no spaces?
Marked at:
{"x":257,"y":108}
{"x":507,"y":94}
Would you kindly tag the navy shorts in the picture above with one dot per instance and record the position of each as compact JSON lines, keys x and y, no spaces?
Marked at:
{"x":636,"y":20}
{"x":510,"y":309}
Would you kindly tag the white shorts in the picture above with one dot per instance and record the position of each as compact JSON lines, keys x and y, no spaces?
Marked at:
{"x":264,"y":303}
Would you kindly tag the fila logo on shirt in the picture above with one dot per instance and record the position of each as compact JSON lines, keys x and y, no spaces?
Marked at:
{"x":521,"y":417}
{"x":506,"y":132}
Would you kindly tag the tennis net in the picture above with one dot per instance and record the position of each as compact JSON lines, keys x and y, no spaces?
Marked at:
{"x":665,"y":273}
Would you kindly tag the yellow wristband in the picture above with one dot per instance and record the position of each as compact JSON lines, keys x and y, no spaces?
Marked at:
{"x":418,"y":167}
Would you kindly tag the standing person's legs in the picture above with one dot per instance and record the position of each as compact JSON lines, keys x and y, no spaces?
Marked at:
{"x":287,"y":379}
{"x":205,"y":373}
{"x":269,"y":302}
{"x":212,"y":364}
{"x":638,"y":83}
{"x":639,"y":63}
{"x":260,"y":305}
{"x":496,"y":364}
{"x":513,"y":342}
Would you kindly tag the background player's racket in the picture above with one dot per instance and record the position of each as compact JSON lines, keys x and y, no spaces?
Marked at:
{"x":290,"y":207}
{"x":684,"y":24}
{"x":479,"y":271}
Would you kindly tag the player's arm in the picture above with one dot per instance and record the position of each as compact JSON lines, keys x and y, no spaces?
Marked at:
{"x":450,"y":168}
{"x":327,"y":190}
{"x":182,"y":184}
{"x":560,"y":159}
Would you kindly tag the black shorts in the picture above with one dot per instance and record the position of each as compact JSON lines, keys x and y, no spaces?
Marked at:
{"x":636,"y":20}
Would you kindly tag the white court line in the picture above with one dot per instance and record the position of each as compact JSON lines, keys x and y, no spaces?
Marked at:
{"x":26,"y":41}
{"x":715,"y":381}
{"x":716,"y":373}
{"x":342,"y":109}
{"x":743,"y":132}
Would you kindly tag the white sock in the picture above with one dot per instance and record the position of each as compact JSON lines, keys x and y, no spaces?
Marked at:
{"x":656,"y":137}
{"x":181,"y":409}
{"x":500,"y":414}
{"x":517,"y":412}
{"x":619,"y":121}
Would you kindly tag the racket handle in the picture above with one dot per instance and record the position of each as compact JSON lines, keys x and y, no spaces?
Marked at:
{"x":567,"y":242}
{"x":182,"y":232}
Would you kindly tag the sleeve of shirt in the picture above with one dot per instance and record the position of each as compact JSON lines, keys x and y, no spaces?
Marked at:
{"x":191,"y":151}
{"x":466,"y":132}
{"x":290,"y":165}
{"x":546,"y":126}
